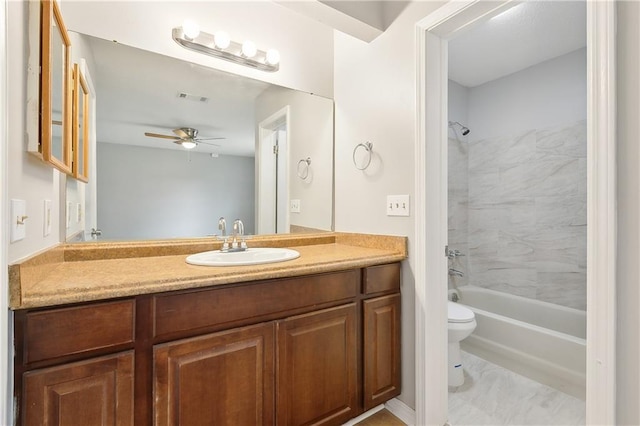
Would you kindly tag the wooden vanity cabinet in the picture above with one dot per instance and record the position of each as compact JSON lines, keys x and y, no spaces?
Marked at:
{"x":98,"y":391}
{"x":381,"y":334}
{"x":75,"y":365}
{"x":381,"y":349}
{"x":226,"y":378}
{"x":317,"y":349}
{"x":317,"y":368}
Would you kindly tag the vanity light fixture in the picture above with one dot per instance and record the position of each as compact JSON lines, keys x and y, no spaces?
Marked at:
{"x":221,"y":46}
{"x":191,"y":29}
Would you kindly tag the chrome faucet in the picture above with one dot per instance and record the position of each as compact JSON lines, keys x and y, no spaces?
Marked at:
{"x":455,"y":272}
{"x":238,"y":233}
{"x":222,"y":226}
{"x":238,"y":239}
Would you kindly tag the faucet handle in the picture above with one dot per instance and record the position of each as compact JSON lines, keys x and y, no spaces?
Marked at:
{"x":451,"y":253}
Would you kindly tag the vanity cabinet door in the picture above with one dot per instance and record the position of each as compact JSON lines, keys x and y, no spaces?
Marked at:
{"x":381,"y":349}
{"x":98,"y":392}
{"x":224,"y":378}
{"x":317,"y":368}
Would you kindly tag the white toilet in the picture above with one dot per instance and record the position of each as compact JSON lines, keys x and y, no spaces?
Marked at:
{"x":462,"y":322}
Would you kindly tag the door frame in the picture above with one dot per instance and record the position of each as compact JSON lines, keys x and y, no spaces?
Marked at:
{"x":265,"y":128}
{"x":432,"y":34}
{"x":6,"y":370}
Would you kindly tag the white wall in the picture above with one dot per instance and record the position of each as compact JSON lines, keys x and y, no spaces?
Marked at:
{"x":139,"y":199}
{"x":375,"y":96}
{"x":458,"y":104}
{"x":29,"y":178}
{"x":522,"y":100}
{"x":311,"y":135}
{"x":628,"y":270}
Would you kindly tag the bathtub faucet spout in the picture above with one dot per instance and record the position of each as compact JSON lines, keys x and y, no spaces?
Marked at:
{"x":455,"y":272}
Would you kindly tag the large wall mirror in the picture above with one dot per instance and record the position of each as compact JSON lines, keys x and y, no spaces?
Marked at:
{"x":55,"y":107}
{"x":180,"y":145}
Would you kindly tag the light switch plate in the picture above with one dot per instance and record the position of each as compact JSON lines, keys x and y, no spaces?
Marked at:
{"x":398,"y":205}
{"x":295,"y":206}
{"x":18,"y":220}
{"x":78,"y":212}
{"x":69,"y":208}
{"x":47,"y":217}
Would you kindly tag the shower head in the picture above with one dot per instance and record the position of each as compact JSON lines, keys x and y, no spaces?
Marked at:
{"x":465,"y":130}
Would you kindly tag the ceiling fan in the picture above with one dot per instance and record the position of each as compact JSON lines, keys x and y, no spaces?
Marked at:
{"x":185,"y":136}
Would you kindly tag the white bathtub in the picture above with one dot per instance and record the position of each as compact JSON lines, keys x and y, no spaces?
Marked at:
{"x":540,"y":340}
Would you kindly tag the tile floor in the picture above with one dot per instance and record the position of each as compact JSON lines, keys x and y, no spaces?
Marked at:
{"x":492,"y":395}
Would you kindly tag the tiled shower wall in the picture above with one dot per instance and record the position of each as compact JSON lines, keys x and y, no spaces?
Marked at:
{"x":526,"y":213}
{"x":458,"y":205}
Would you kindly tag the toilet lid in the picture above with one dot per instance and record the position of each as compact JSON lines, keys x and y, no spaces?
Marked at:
{"x":459,"y":313}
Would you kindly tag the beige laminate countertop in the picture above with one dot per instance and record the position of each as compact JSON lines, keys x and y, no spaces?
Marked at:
{"x":89,"y":272}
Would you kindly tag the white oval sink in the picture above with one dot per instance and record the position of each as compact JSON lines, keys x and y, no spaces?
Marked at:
{"x":252,"y":256}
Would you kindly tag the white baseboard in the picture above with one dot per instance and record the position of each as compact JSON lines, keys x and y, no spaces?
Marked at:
{"x":401,"y":411}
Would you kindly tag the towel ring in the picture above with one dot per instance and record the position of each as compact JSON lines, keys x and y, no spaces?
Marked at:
{"x":368,"y":146}
{"x":304,"y":172}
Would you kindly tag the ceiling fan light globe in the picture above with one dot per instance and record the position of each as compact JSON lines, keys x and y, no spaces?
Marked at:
{"x":188,"y":144}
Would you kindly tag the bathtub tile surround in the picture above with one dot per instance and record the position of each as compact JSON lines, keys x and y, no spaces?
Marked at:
{"x":458,"y":204}
{"x":524,"y":208}
{"x":493,"y":396}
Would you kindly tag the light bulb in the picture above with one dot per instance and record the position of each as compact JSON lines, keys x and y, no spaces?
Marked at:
{"x":188,"y":145}
{"x":273,"y":56}
{"x":221,"y":40}
{"x":249,"y":49}
{"x":190,"y":29}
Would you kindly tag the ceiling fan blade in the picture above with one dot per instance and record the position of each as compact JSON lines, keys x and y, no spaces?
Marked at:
{"x":157,"y":135}
{"x":199,"y":141}
{"x":209,"y":139}
{"x":181,"y":133}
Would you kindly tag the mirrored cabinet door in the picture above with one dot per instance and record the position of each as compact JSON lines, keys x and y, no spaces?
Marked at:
{"x":80,"y":126}
{"x":55,"y":93}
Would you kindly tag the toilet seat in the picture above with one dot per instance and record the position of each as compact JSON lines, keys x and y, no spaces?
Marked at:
{"x":459,"y":313}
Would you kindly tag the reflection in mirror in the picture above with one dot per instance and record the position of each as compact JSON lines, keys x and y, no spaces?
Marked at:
{"x":55,"y":142}
{"x":150,"y":107}
{"x":80,"y":125}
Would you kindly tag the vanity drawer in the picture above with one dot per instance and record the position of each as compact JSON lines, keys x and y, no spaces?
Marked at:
{"x":381,"y":278}
{"x":68,"y":331}
{"x":251,"y":303}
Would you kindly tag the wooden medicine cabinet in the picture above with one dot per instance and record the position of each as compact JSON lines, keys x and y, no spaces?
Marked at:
{"x":49,"y":85}
{"x":80,"y":126}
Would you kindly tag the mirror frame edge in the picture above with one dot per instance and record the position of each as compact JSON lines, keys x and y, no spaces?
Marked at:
{"x":49,"y":11}
{"x":80,"y":89}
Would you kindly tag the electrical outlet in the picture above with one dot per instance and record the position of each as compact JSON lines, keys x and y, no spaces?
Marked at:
{"x":295,"y":206}
{"x":18,"y":220}
{"x":398,"y":205}
{"x":47,"y":217}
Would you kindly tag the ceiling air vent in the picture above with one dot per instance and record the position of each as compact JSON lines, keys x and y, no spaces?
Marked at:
{"x":189,"y":97}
